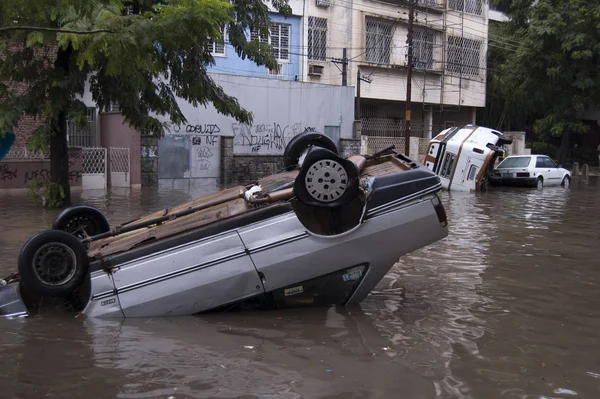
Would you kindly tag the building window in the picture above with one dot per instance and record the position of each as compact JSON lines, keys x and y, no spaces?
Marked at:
{"x":423,"y":42}
{"x":378,"y":40}
{"x":279,"y":38}
{"x":464,"y":56}
{"x":317,"y":38}
{"x":468,"y":6}
{"x":217,"y":47}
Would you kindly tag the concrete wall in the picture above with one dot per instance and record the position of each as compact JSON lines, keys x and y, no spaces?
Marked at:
{"x":242,"y":169}
{"x":281,"y":110}
{"x":16,"y":173}
{"x":114,"y":132}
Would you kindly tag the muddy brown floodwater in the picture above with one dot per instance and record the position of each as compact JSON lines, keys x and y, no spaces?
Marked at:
{"x":508,"y":306}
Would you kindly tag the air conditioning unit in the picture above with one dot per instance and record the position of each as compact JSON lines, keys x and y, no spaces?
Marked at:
{"x":315,"y":70}
{"x":323,"y":3}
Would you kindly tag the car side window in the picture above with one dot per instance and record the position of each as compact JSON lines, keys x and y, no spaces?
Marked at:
{"x":539,"y":163}
{"x":550,"y":163}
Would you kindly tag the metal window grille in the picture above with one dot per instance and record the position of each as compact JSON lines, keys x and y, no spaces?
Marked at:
{"x":378,"y":41}
{"x":423,"y":42}
{"x":464,"y":56}
{"x":317,"y":38}
{"x":217,"y":47}
{"x":83,"y":137}
{"x":467,"y":6}
{"x":279,"y":38}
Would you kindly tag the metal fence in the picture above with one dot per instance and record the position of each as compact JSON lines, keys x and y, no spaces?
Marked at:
{"x":119,"y":160}
{"x":24,"y":153}
{"x":94,"y":160}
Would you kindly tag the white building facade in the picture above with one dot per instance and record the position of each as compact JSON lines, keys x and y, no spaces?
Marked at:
{"x":449,"y":59}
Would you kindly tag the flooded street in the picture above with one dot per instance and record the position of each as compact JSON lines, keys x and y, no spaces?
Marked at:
{"x":507,"y":306}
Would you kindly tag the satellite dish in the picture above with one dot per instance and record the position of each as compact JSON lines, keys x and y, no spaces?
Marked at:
{"x":6,"y":142}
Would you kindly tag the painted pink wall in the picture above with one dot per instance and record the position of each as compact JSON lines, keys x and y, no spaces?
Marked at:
{"x":114,"y":132}
{"x":15,"y":173}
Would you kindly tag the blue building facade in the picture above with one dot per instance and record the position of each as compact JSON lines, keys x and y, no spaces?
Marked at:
{"x":285,"y":39}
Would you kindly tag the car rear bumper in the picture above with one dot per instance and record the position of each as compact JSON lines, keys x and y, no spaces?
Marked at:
{"x":514,"y":181}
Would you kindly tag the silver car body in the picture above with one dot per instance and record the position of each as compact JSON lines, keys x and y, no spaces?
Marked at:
{"x":262,"y":257}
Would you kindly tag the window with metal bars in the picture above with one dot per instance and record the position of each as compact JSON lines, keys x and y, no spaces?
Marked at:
{"x":378,"y":41}
{"x":82,"y":137}
{"x":217,"y":47}
{"x":463,"y":56}
{"x":468,"y":6}
{"x":423,"y":41}
{"x":279,"y":38}
{"x":317,"y":38}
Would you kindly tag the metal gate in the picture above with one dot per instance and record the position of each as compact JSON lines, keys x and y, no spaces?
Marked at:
{"x":120,"y":167}
{"x":94,"y":167}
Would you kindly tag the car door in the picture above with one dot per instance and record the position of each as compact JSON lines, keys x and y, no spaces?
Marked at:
{"x":188,"y":278}
{"x":555,"y":173}
{"x":542,"y":169}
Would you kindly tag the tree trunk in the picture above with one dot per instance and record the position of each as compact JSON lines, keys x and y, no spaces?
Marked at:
{"x":563,"y":151}
{"x":59,"y":158}
{"x":59,"y":153}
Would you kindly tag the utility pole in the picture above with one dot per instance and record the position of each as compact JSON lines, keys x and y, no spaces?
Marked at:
{"x":411,"y":15}
{"x":344,"y":69}
{"x":344,"y":62}
{"x":357,"y":115}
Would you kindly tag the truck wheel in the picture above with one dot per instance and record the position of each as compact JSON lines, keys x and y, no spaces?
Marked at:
{"x":53,"y":263}
{"x":326,"y":180}
{"x":300,"y":143}
{"x":80,"y":220}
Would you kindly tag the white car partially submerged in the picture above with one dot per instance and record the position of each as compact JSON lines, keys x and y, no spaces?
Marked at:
{"x":529,"y":170}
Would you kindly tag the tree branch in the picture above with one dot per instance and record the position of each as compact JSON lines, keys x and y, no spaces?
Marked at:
{"x":58,"y":30}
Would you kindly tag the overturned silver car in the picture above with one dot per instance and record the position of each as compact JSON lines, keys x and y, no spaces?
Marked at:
{"x":323,"y":231}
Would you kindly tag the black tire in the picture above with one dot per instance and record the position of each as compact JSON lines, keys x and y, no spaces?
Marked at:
{"x":566,"y":183}
{"x":53,"y":263}
{"x":297,"y":145}
{"x":540,"y":183}
{"x":326,"y":180}
{"x":78,"y":217}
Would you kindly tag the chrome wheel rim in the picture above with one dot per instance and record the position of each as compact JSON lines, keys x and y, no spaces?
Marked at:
{"x":326,"y":181}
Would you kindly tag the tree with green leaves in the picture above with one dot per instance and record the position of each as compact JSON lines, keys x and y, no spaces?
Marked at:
{"x":553,"y":70}
{"x":141,"y":54}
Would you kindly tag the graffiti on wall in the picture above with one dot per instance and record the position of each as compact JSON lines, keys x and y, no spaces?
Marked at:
{"x":205,"y":159}
{"x":263,"y":139}
{"x":13,"y":177}
{"x":207,"y":128}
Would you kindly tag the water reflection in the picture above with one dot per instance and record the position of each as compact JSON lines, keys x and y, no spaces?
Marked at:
{"x":505,"y":307}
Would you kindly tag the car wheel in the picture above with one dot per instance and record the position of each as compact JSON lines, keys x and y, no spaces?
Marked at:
{"x":566,"y":183}
{"x":326,"y":180}
{"x":540,"y":183}
{"x":53,"y":263}
{"x":80,"y":221}
{"x":300,"y":143}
